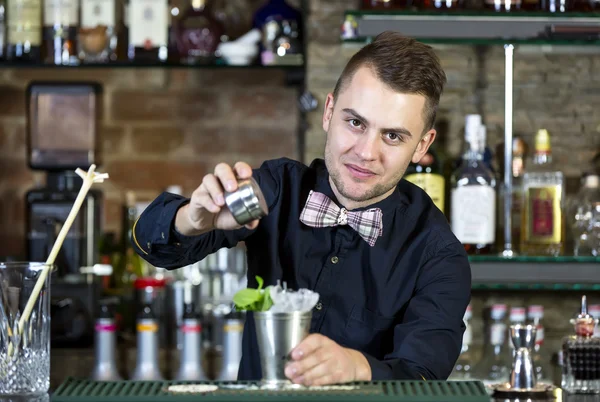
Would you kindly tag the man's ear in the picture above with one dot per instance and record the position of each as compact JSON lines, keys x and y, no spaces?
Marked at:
{"x":328,"y":111}
{"x":423,"y":145}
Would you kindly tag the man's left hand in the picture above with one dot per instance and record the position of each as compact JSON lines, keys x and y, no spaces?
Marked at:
{"x":318,"y":360}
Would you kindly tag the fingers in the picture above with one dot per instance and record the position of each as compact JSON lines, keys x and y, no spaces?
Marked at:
{"x":252,"y":225}
{"x":297,"y":370}
{"x":325,"y":373}
{"x":308,"y":346}
{"x":226,"y":176}
{"x":243,"y":170}
{"x":214,"y":189}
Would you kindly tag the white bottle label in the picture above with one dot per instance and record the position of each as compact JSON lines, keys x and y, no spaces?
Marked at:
{"x":97,"y":13}
{"x":61,"y":12}
{"x":24,"y":22}
{"x":474,"y":214}
{"x":539,"y":335}
{"x":467,"y":336}
{"x":497,"y":334}
{"x":148,"y":20}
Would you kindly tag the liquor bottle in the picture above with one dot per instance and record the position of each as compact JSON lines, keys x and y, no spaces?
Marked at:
{"x":464,"y":365}
{"x":24,"y":31}
{"x":543,"y":227}
{"x":235,"y":15}
{"x":473,"y":197}
{"x":269,"y":20}
{"x":123,"y":31}
{"x":535,"y":315}
{"x":518,"y":170}
{"x":442,"y":5}
{"x":61,"y":22}
{"x":594,"y":311}
{"x":502,"y":5}
{"x":427,"y":174}
{"x":581,"y":216}
{"x":98,"y":31}
{"x":494,"y":365}
{"x":148,"y":31}
{"x":581,"y":355}
{"x":535,"y":5}
{"x":562,"y":6}
{"x":198,"y":34}
{"x":131,"y":266}
{"x":2,"y":29}
{"x":378,"y":4}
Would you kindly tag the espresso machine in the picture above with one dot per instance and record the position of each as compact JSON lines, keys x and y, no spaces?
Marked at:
{"x":62,"y":135}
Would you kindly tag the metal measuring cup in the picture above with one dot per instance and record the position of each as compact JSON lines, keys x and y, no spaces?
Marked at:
{"x":247,"y":203}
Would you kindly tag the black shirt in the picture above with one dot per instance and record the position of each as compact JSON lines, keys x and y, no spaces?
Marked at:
{"x":400,"y":303}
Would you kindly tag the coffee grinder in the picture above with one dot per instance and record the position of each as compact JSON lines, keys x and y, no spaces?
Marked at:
{"x":62,"y":135}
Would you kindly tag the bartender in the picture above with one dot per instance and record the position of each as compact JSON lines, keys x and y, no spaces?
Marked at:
{"x":393,"y":280}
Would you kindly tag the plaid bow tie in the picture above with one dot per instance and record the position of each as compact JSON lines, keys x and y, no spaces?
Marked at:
{"x":320,"y":211}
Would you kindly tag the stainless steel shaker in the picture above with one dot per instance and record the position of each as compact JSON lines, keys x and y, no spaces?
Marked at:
{"x":247,"y":203}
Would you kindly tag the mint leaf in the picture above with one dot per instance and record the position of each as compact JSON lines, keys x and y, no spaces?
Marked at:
{"x":246,"y":297}
{"x":253,"y":299}
{"x":267,"y":302}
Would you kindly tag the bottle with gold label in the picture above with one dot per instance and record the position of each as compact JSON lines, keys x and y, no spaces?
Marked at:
{"x":23,"y":31}
{"x":427,"y":174}
{"x":543,"y":217}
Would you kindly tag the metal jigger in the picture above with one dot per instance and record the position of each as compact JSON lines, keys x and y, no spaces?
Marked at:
{"x":523,"y":383}
{"x":523,"y":372}
{"x":278,"y":334}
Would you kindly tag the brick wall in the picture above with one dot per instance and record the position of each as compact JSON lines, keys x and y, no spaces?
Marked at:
{"x":163,"y":127}
{"x":159,"y":127}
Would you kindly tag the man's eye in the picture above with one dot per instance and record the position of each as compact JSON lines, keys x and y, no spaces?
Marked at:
{"x":355,"y":123}
{"x":394,"y":137}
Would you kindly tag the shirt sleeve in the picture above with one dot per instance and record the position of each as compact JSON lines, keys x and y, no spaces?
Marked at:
{"x":428,"y":341}
{"x":155,"y":239}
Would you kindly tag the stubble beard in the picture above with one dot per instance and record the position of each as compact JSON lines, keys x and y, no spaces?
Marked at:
{"x":336,"y":177}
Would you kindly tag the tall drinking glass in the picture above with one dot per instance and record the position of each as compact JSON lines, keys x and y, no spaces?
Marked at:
{"x":24,"y":357}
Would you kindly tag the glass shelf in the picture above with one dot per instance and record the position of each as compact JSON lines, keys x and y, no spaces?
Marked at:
{"x":476,"y":13}
{"x":474,"y":27}
{"x":536,"y":259}
{"x":126,"y":64}
{"x":535,"y":273}
{"x":573,"y":287}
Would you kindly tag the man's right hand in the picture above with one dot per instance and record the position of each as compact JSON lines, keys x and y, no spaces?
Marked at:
{"x":207,"y":210}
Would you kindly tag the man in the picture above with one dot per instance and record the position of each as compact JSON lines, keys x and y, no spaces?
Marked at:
{"x":394,"y":287}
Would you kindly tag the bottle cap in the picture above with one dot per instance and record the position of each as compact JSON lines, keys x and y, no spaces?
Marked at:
{"x":498,"y":311}
{"x":542,"y":141}
{"x":594,"y":310}
{"x":517,"y":314}
{"x":592,"y":181}
{"x":468,"y":313}
{"x":535,"y":311}
{"x":584,"y":323}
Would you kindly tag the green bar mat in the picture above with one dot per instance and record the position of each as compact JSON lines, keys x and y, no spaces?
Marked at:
{"x":83,"y":390}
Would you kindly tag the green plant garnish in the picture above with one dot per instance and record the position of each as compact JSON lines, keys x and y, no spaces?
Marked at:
{"x":258,"y":299}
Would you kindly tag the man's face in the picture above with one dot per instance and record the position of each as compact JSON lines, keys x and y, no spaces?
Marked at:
{"x":373,"y":133}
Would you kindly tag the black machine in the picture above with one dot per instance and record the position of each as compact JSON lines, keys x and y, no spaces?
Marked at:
{"x":62,"y":135}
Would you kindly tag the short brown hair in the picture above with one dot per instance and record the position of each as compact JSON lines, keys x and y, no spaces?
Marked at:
{"x":405,"y":65}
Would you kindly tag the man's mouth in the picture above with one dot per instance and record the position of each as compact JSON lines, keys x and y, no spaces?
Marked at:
{"x":359,"y":172}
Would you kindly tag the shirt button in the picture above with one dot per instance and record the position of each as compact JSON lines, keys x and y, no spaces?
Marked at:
{"x":148,"y":244}
{"x":334,"y":259}
{"x":319,"y":306}
{"x":162,"y":235}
